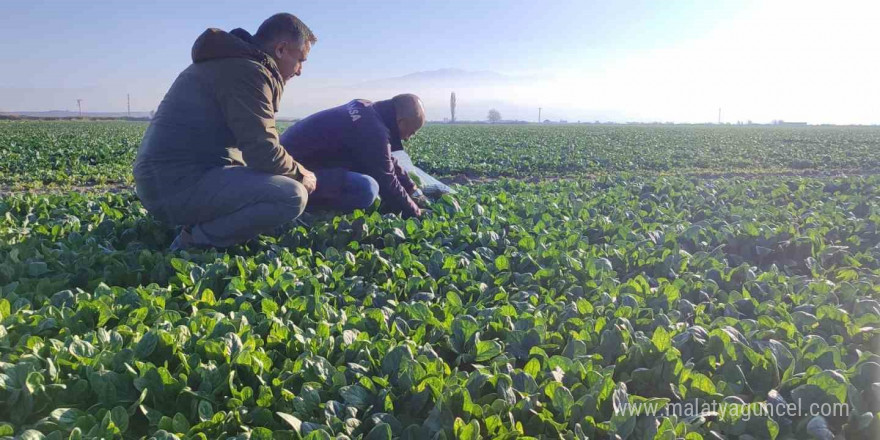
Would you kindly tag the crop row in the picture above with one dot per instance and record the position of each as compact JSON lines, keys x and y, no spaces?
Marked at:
{"x":96,"y":152}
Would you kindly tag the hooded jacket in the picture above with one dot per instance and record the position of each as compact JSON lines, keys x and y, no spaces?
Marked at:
{"x":357,"y":136}
{"x":219,"y":111}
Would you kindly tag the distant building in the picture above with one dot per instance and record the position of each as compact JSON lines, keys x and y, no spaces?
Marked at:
{"x":781,"y":122}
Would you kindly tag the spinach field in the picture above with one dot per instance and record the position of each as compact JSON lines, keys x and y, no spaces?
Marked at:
{"x":87,"y":153}
{"x":592,"y":283}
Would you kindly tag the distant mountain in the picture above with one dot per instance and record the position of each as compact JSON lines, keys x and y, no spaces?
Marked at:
{"x":454,"y":74}
{"x":438,"y":78}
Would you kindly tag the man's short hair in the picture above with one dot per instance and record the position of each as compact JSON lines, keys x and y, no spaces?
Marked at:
{"x":284,"y":25}
{"x":409,"y":105}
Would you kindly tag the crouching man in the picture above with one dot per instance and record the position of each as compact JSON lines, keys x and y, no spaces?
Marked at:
{"x":210,"y":159}
{"x":349,"y":148}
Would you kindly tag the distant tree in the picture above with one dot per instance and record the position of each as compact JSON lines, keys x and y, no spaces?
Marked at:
{"x":494,"y":116}
{"x":452,"y":106}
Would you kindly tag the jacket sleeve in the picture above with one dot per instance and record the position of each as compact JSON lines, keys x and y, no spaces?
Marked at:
{"x":245,"y":95}
{"x":403,"y":177}
{"x":373,"y":153}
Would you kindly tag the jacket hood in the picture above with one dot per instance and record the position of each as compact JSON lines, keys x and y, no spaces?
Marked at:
{"x":238,"y":43}
{"x":386,"y":112}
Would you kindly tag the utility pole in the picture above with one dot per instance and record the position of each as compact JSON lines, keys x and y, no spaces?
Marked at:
{"x":128,"y":98}
{"x":539,"y":115}
{"x":79,"y":105}
{"x":719,"y":115}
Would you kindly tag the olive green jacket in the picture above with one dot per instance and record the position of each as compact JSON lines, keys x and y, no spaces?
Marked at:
{"x":219,"y":111}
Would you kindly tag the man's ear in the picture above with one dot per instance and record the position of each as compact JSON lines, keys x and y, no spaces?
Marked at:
{"x":278,"y":48}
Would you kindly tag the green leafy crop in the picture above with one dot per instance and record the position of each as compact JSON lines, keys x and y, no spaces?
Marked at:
{"x":568,"y":308}
{"x":520,"y":310}
{"x":80,"y":153}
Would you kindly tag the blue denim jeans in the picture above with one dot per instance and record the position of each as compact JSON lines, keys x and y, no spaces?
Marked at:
{"x":342,"y":191}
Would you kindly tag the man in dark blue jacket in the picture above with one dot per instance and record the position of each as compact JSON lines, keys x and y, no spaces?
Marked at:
{"x":349,"y":149}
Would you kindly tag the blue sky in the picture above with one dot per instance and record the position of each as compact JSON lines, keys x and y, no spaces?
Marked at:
{"x":624,"y":60}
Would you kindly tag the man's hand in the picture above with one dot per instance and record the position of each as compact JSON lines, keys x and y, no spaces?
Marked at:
{"x":421,"y":200}
{"x":308,"y":179}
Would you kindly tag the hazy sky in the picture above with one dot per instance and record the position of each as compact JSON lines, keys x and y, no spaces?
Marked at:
{"x":611,"y":60}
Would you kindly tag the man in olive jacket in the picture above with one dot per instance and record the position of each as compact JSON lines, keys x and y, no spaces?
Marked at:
{"x":210,"y":159}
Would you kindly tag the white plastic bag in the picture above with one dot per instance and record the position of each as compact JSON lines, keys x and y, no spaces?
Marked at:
{"x":429,"y":185}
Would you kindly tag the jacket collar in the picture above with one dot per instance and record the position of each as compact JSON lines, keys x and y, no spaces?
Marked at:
{"x":386,"y":112}
{"x":238,"y":43}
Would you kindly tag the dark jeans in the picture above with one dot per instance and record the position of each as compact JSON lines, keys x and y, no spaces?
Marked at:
{"x":232,"y":204}
{"x":342,"y":191}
